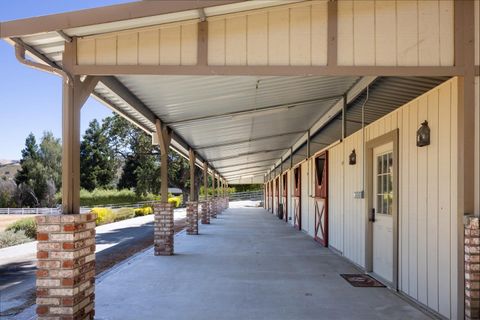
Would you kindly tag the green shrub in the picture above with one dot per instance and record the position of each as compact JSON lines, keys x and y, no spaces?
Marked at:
{"x":27,"y":225}
{"x":101,"y":197}
{"x":124,"y":214}
{"x":143,"y":211}
{"x":104,"y":215}
{"x":176,"y":201}
{"x":10,"y":238}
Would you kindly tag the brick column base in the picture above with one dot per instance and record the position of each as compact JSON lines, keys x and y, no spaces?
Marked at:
{"x":205,"y":215}
{"x":192,"y":218}
{"x":472,"y":268}
{"x":66,"y":266}
{"x":163,"y":231}
{"x":213,"y":208}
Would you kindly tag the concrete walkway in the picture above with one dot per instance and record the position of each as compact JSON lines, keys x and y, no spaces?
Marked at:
{"x":246,"y":265}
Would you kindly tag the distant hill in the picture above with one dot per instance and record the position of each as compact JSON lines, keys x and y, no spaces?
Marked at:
{"x":9,"y":168}
{"x":4,"y":162}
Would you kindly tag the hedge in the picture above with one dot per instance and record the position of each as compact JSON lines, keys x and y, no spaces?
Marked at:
{"x":27,"y":225}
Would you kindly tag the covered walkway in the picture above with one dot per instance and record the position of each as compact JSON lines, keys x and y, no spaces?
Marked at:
{"x":247,"y":265}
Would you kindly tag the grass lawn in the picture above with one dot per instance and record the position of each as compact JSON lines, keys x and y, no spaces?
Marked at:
{"x":6,"y":219}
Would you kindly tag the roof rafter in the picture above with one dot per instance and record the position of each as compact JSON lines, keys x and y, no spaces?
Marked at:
{"x":286,"y":106}
{"x":232,"y":143}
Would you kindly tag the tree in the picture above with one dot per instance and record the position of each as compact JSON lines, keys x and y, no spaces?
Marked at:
{"x":50,"y":153}
{"x":97,"y":164}
{"x":140,"y":157}
{"x":32,"y":178}
{"x":29,"y":157}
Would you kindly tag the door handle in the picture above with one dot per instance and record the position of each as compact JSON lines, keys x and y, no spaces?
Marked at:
{"x":372,"y":217}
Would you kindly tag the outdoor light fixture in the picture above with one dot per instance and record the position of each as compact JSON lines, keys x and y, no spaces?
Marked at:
{"x":352,"y":158}
{"x":423,"y":135}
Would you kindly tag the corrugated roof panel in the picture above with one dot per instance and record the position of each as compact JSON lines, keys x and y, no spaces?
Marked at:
{"x":178,"y":98}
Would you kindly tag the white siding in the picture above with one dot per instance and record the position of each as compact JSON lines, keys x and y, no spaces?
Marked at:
{"x":428,"y":217}
{"x":395,"y":33}
{"x":477,"y":144}
{"x":291,"y":207}
{"x":305,"y":199}
{"x":294,"y":34}
{"x":354,"y":217}
{"x":477,"y":32}
{"x":168,"y":44}
{"x":335,"y":197}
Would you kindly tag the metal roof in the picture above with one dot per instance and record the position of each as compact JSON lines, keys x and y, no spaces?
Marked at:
{"x":235,"y":119}
{"x":242,"y":125}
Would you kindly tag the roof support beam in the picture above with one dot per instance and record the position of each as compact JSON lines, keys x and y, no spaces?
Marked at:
{"x":247,"y":154}
{"x":247,"y":140}
{"x":125,"y":94}
{"x":205,"y":181}
{"x":193,"y":193}
{"x":268,"y":109}
{"x":332,"y":33}
{"x":108,"y":70}
{"x":251,"y":174}
{"x":245,"y":163}
{"x":164,"y":139}
{"x":75,"y":93}
{"x":245,"y":169}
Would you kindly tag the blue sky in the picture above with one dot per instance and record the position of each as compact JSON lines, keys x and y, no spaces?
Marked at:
{"x":30,"y":100}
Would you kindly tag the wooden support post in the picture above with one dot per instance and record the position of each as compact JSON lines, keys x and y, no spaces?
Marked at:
{"x":214,"y":184}
{"x":75,"y":94}
{"x":164,"y":139}
{"x":205,"y":180}
{"x":193,"y":195}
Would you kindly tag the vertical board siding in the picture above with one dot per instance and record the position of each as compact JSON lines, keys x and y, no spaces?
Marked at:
{"x":305,"y":199}
{"x":291,"y":207}
{"x":236,"y":41}
{"x":288,"y":35}
{"x":477,"y":32}
{"x":354,"y":217}
{"x":432,"y":202}
{"x":477,"y":143}
{"x":428,"y":216}
{"x":257,"y":39}
{"x":169,"y":44}
{"x":335,"y":197}
{"x":395,"y":33}
{"x":311,"y":198}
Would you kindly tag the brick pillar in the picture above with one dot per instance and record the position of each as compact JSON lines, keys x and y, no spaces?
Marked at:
{"x":205,"y":215}
{"x":66,"y":266}
{"x":472,"y":268}
{"x":213,"y":208}
{"x":218,"y":205}
{"x":192,"y":218}
{"x":164,"y":232}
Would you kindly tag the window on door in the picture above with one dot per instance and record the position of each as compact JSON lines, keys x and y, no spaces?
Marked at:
{"x":384,"y":183}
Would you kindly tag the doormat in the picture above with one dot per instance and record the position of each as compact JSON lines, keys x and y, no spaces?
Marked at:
{"x":362,"y":280}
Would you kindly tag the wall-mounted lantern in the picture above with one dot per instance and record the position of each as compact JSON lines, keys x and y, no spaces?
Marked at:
{"x":423,"y":135}
{"x":352,"y":158}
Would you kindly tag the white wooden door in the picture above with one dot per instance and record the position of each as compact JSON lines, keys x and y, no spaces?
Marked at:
{"x":383,"y":215}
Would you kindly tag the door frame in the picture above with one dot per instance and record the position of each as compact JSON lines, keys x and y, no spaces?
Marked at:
{"x":321,"y":194}
{"x":391,"y":136}
{"x":297,"y":197}
{"x":284,"y":185}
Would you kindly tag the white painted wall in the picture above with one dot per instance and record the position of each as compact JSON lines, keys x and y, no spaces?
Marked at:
{"x":305,"y":202}
{"x":335,"y":197}
{"x":395,"y":33}
{"x":290,"y":198}
{"x":428,"y":199}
